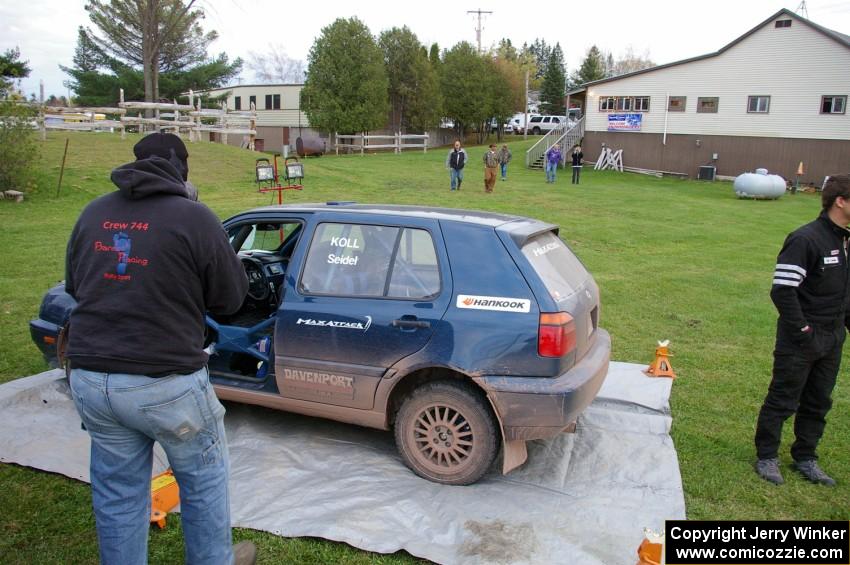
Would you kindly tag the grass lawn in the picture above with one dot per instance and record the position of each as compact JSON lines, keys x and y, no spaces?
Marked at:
{"x":674,"y":259}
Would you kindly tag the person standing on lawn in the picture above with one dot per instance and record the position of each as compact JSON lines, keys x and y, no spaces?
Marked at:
{"x":811,"y":291}
{"x":505,"y":156}
{"x":553,"y":159}
{"x":577,"y":157}
{"x":455,"y":162}
{"x":145,"y":264}
{"x":491,"y":162}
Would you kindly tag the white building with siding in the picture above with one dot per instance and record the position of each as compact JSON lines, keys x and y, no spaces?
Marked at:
{"x":773,"y":97}
{"x":280,"y":120}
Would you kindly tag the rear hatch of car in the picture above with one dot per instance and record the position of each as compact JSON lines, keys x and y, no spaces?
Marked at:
{"x":566,"y":292}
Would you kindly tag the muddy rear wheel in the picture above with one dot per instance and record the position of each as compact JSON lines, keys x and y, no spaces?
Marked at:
{"x":446,"y":433}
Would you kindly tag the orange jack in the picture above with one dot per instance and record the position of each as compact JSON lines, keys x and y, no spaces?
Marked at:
{"x":661,"y":367}
{"x":649,"y":552}
{"x":165,"y":495}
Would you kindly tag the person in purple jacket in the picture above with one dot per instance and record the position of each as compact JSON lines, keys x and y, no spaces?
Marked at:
{"x":553,"y":159}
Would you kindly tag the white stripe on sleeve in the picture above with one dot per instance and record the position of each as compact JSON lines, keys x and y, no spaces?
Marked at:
{"x":788,"y":275}
{"x":787,"y":267}
{"x":786,"y":282}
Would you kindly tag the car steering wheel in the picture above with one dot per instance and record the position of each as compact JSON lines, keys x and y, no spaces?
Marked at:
{"x":258,"y":281}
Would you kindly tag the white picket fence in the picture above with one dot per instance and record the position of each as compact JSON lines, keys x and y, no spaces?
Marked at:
{"x":397,"y":142}
{"x":190,"y":118}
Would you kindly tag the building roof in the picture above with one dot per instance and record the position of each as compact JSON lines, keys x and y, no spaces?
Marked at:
{"x":834,"y":35}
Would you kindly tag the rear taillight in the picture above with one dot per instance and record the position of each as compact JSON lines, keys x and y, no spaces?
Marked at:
{"x":557,"y":334}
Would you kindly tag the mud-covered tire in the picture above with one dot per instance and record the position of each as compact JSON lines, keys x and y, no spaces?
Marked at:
{"x":446,"y":433}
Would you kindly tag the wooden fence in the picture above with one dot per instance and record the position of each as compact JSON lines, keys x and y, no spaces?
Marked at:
{"x":178,"y":118}
{"x":397,"y":142}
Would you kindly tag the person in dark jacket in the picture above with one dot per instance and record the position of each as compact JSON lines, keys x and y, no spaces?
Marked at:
{"x":491,"y":162}
{"x":145,"y":264}
{"x":455,"y":162}
{"x":505,"y":157}
{"x":577,"y":158}
{"x":811,"y":291}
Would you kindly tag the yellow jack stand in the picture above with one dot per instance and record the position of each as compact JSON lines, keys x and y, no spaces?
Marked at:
{"x":661,"y":367}
{"x":164,"y":496}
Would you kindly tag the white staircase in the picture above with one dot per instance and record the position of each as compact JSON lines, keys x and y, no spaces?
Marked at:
{"x":566,"y":134}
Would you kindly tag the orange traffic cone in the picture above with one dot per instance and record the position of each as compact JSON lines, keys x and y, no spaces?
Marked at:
{"x":661,"y":367}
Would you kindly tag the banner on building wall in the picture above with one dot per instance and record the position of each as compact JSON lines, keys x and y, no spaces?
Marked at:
{"x":624,"y":122}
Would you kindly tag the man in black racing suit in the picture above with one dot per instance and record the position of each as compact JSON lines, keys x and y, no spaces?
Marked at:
{"x":810,"y":291}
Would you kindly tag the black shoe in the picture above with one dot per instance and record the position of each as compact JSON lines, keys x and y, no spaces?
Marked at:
{"x":244,"y":553}
{"x":768,"y":469}
{"x":812,"y":472}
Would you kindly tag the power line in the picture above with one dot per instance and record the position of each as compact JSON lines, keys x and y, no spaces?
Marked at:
{"x":478,"y":29}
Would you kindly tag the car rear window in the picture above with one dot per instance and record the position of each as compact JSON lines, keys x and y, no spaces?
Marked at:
{"x":558,"y":267}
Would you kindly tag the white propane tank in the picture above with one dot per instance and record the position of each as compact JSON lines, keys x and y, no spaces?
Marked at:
{"x":759,"y":185}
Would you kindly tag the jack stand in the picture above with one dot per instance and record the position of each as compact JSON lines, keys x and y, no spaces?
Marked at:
{"x":165,"y":495}
{"x":661,"y":367}
{"x":649,"y":552}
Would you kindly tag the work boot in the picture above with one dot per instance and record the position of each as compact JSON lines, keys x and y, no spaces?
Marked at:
{"x":244,"y":553}
{"x":812,"y":471}
{"x":768,"y":469}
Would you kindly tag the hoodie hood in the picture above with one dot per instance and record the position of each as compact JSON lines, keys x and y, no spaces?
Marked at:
{"x":146,"y":177}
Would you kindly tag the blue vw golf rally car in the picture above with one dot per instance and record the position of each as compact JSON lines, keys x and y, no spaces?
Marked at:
{"x":462,"y":331}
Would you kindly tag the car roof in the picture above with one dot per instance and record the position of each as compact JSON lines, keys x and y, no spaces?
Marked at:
{"x":479,"y":217}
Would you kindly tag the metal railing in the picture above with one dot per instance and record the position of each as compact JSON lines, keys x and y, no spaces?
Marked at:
{"x":566,"y":134}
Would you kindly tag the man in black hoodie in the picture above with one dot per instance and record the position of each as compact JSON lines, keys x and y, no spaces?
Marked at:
{"x":145,"y":263}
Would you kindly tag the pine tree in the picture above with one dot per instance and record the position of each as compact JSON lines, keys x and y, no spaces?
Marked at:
{"x":155,"y":36}
{"x":592,"y":68}
{"x":552,"y":91}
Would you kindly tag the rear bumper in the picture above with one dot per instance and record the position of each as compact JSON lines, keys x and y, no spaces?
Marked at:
{"x":541,"y":407}
{"x":44,"y":335}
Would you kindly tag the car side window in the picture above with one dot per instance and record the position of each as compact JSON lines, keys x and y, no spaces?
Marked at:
{"x":535,"y":119}
{"x":349,"y":260}
{"x":416,"y":273}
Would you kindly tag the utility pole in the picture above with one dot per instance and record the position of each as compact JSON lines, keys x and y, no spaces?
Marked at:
{"x":478,"y":29}
{"x":525,"y":125}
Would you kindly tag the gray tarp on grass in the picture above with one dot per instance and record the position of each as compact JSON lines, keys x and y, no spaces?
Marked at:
{"x":581,"y":498}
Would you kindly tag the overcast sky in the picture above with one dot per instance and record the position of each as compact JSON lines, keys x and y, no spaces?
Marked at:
{"x":46,"y":30}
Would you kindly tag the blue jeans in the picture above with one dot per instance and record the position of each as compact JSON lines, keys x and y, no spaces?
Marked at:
{"x":504,"y":167}
{"x":551,"y":167}
{"x":124,"y":415}
{"x":456,"y":177}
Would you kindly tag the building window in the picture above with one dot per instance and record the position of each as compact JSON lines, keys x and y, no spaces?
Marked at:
{"x":758,"y":104}
{"x":237,"y":103}
{"x":641,"y":104}
{"x":833,"y":104}
{"x":624,"y":103}
{"x":707,"y":105}
{"x":252,"y":100}
{"x":676,"y":103}
{"x":782,"y":23}
{"x":272,"y":101}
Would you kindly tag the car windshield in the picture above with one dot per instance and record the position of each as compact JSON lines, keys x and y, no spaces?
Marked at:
{"x":558,"y":267}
